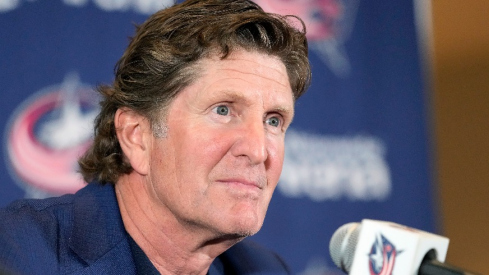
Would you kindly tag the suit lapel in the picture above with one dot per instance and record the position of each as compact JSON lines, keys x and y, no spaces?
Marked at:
{"x":98,"y":234}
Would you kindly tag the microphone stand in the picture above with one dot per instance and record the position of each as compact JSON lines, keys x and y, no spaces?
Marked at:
{"x":431,"y":266}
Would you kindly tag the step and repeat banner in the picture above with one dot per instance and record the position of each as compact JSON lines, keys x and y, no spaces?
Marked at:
{"x":359,"y":146}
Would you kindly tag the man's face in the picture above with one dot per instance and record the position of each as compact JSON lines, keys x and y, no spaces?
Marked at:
{"x":220,"y":161}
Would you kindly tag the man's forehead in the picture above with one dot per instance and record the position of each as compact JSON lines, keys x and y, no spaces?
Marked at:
{"x":247,"y":66}
{"x":259,"y":62}
{"x":243,"y":56}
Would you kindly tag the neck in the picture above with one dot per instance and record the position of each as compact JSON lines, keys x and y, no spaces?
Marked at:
{"x":173,"y":246}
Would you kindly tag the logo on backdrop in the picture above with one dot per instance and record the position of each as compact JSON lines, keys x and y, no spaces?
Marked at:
{"x":328,"y":23}
{"x":382,"y":257}
{"x":47,"y":134}
{"x":330,"y":168}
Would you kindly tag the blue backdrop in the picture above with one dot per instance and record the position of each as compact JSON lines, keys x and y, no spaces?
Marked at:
{"x":358,"y":148}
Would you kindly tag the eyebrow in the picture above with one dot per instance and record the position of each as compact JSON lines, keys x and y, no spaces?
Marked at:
{"x":234,"y":95}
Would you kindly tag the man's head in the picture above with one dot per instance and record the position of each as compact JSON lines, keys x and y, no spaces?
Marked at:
{"x":163,"y":58}
{"x":216,"y":168}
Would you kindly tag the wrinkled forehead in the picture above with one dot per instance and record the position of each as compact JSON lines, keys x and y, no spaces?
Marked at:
{"x":214,"y":64}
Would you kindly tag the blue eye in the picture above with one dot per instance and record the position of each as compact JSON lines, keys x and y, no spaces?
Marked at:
{"x":222,"y":110}
{"x":273,"y":121}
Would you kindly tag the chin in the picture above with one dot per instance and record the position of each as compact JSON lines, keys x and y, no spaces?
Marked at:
{"x":243,"y":221}
{"x":246,"y":228}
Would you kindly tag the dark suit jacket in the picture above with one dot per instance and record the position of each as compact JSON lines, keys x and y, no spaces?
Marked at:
{"x":84,"y":234}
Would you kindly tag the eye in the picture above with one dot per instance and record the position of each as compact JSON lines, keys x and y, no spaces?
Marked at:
{"x":273,"y":121}
{"x":222,"y":110}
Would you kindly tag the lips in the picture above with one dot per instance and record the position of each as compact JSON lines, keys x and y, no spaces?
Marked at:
{"x":243,"y":188}
{"x":242,"y":182}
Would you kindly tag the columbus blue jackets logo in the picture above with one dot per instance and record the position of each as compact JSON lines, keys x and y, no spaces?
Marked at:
{"x":47,"y":134}
{"x":382,"y":257}
{"x":328,"y":23}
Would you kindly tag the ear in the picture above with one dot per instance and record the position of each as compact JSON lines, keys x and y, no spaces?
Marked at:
{"x":133,"y":132}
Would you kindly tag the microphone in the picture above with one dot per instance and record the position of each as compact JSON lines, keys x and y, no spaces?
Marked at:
{"x":386,"y":248}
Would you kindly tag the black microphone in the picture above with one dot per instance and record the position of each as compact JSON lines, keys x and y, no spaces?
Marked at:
{"x":386,"y":248}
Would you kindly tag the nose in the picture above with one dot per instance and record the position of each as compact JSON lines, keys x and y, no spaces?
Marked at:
{"x":251,"y":142}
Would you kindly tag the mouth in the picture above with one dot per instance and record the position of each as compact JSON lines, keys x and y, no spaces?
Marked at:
{"x":243,"y":187}
{"x":242,"y":182}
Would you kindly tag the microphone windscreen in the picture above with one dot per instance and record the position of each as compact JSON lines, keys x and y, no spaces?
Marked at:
{"x":379,"y":247}
{"x":343,"y":244}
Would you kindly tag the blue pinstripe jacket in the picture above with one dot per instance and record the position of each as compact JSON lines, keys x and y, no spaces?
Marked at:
{"x":83,"y":233}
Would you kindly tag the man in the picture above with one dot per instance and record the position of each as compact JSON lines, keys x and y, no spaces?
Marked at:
{"x":188,"y":149}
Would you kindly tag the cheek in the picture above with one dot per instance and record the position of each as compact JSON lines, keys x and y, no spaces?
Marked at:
{"x":198,"y":151}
